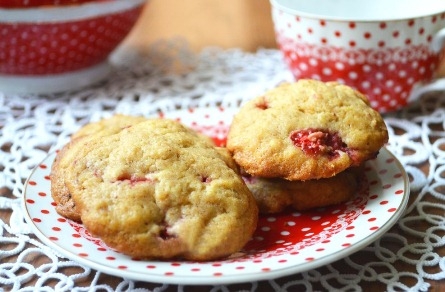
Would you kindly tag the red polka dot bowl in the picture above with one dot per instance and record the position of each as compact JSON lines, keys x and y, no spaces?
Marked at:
{"x":51,"y":46}
{"x":36,"y":3}
{"x":388,"y":49}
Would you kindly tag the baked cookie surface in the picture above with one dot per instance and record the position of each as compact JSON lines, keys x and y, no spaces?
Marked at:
{"x":274,"y":195}
{"x":324,"y":192}
{"x":59,"y":191}
{"x":305,"y":130}
{"x":159,"y":190}
{"x":271,"y":194}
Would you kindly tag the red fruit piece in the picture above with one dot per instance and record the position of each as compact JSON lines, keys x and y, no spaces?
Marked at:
{"x":262,"y":104}
{"x":249,"y":179}
{"x":133,"y":179}
{"x":164,"y":233}
{"x":206,"y":179}
{"x":318,"y":142}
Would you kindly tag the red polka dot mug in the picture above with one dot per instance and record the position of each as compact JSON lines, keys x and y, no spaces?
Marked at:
{"x":388,"y":49}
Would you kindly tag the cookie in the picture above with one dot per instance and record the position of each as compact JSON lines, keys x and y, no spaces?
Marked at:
{"x":305,"y":130}
{"x":271,"y":194}
{"x":159,"y":190}
{"x":59,"y":191}
{"x":274,"y":195}
{"x":62,"y":198}
{"x":324,"y":192}
{"x":108,"y":126}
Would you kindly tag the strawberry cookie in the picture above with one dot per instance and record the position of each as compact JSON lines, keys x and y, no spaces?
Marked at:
{"x":305,"y":130}
{"x":274,"y":195}
{"x":65,"y":206}
{"x":159,"y":190}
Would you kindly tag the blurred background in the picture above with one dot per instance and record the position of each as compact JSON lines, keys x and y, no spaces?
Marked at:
{"x":245,"y":24}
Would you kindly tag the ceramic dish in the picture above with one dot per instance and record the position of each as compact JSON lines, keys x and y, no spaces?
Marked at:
{"x":55,"y":46}
{"x":283,"y":244}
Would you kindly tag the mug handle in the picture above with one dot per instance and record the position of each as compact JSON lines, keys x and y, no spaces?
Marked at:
{"x":437,"y":44}
{"x":438,"y":41}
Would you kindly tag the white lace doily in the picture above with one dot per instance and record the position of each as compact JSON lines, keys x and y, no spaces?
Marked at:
{"x":170,"y":77}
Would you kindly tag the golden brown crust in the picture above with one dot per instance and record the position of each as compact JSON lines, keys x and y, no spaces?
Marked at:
{"x":274,"y":195}
{"x":64,"y":204}
{"x":324,"y":192}
{"x":305,"y":130}
{"x":59,"y":191}
{"x":159,"y":190}
{"x":271,"y":194}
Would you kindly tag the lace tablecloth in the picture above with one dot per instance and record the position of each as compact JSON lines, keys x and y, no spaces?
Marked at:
{"x":410,"y":256}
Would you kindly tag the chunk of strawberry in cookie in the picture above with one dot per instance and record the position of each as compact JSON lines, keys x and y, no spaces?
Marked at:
{"x":262,"y":104}
{"x":318,"y":142}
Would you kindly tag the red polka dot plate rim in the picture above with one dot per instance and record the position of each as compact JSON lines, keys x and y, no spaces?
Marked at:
{"x":283,"y":244}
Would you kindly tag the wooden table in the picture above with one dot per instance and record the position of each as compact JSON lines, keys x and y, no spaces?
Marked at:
{"x":245,"y":24}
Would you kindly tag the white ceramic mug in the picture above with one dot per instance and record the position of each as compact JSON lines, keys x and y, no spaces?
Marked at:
{"x":388,"y":49}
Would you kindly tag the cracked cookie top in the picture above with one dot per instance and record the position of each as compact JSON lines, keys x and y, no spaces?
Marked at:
{"x":157,"y":189}
{"x":306,"y":130}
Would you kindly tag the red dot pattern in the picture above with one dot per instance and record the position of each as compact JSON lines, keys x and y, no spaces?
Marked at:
{"x":383,"y":60}
{"x":280,"y":241}
{"x":36,"y":3}
{"x":51,"y":48}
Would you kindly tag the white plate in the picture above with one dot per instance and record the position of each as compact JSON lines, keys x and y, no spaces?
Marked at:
{"x":283,"y":244}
